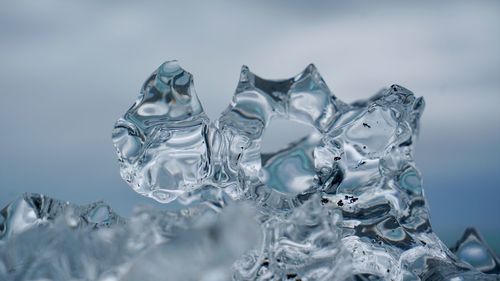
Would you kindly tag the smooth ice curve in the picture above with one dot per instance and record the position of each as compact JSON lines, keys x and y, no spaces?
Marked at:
{"x":345,"y":203}
{"x":168,"y":147}
{"x":358,"y":162}
{"x":46,"y":239}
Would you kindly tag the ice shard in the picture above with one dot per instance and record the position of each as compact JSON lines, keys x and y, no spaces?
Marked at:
{"x":35,"y":210}
{"x":46,"y":239}
{"x":161,"y":140}
{"x":344,"y":203}
{"x":304,"y":244}
{"x":357,"y":164}
{"x":472,"y":249}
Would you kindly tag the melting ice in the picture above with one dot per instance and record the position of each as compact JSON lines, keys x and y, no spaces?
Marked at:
{"x":344,"y":203}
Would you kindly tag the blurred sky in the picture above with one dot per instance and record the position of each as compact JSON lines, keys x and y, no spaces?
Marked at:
{"x":69,"y":69}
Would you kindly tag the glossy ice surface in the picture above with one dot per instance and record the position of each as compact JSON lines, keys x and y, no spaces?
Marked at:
{"x":472,"y":249}
{"x":46,"y":239}
{"x":344,"y":203}
{"x":357,"y":164}
{"x":161,"y":140}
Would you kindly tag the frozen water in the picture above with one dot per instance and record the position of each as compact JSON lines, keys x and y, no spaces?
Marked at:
{"x":304,"y":244}
{"x":161,"y":139}
{"x":472,"y":249}
{"x":167,"y":147}
{"x":358,"y":162}
{"x":46,"y":239}
{"x":343,"y":203}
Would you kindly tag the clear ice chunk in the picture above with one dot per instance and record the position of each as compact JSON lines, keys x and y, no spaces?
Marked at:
{"x":472,"y":249}
{"x":343,"y":203}
{"x":161,"y":139}
{"x":358,"y":160}
{"x":302,"y":245}
{"x":37,"y":210}
{"x":47,"y":239}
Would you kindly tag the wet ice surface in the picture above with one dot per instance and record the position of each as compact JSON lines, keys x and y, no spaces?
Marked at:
{"x":344,"y":203}
{"x":472,"y":249}
{"x":46,"y":239}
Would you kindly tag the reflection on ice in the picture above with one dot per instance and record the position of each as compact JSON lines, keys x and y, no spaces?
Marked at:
{"x":344,"y":203}
{"x":46,"y":239}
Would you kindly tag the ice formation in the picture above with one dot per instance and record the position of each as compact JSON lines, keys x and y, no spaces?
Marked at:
{"x":46,"y":239}
{"x":472,"y":249}
{"x":344,"y":203}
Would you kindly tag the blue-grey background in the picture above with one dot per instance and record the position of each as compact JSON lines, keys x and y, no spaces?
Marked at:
{"x":69,"y":69}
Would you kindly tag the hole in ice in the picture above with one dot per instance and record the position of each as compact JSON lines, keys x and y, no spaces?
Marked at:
{"x":281,"y":132}
{"x":287,"y":156}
